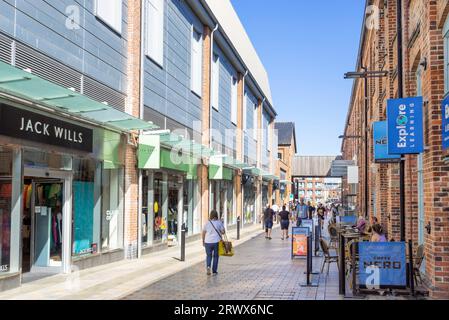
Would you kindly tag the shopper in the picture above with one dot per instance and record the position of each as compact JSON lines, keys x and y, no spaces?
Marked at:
{"x":211,"y":235}
{"x":284,"y":217}
{"x":361,"y":224}
{"x":311,"y":210}
{"x":321,"y":211}
{"x":301,"y":213}
{"x":378,"y":234}
{"x":268,"y":220}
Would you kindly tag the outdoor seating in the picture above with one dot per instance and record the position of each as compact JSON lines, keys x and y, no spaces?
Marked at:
{"x":418,"y":260}
{"x":333,"y":233}
{"x":327,"y":256}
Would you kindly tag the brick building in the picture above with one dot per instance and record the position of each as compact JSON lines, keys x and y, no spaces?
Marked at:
{"x":287,"y":149}
{"x":425,"y":72}
{"x":162,"y":112}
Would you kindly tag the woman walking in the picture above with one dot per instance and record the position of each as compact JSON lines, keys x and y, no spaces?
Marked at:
{"x":284,"y":216}
{"x":211,"y":235}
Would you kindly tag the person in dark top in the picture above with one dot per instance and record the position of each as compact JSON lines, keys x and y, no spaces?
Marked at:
{"x":321,"y":212}
{"x":284,"y":216}
{"x":268,"y":220}
{"x":311,"y":209}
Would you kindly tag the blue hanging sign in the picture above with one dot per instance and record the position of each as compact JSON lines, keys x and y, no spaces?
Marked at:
{"x":308,"y":223}
{"x":405,"y":126}
{"x":445,"y":123}
{"x":382,"y":265}
{"x":381,"y":144}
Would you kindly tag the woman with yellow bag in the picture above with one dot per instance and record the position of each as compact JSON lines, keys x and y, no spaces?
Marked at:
{"x":212,"y":235}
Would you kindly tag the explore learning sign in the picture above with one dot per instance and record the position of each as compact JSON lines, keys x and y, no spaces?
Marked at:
{"x":405,"y":127}
{"x":445,"y":123}
{"x":382,"y":264}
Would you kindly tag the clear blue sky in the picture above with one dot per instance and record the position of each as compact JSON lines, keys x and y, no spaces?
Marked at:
{"x":306,"y":47}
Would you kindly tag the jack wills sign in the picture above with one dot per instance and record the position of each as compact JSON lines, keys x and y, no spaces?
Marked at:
{"x":22,"y":124}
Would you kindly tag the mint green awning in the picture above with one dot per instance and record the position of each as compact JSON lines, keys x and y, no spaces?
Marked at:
{"x":285,"y":182}
{"x":22,"y":84}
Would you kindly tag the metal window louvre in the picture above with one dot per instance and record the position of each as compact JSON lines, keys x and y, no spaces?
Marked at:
{"x":47,"y":68}
{"x":102,"y":93}
{"x":5,"y":49}
{"x":154,"y":116}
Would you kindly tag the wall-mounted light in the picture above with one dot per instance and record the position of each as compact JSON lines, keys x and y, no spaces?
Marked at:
{"x":423,"y":63}
{"x":428,"y":228}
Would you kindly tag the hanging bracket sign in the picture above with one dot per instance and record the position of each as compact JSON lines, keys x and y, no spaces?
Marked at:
{"x":405,"y":126}
{"x":445,"y":123}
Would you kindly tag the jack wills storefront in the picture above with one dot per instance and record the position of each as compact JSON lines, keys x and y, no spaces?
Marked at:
{"x":61,"y":181}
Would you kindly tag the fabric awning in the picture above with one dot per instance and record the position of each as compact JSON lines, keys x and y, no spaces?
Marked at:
{"x":22,"y":84}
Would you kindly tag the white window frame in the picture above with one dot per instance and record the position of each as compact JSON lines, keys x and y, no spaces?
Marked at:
{"x":154,"y":30}
{"x":215,"y":90}
{"x":234,"y":99}
{"x":110,"y":12}
{"x":196,"y":66}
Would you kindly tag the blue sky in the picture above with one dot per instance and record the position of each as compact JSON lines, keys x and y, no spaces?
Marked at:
{"x":306,"y":47}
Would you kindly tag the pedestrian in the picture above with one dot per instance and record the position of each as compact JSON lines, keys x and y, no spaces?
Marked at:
{"x":321,"y":212}
{"x":361,"y":224}
{"x":311,"y":210}
{"x":268,"y":220}
{"x":284,"y":217}
{"x":301,"y":213}
{"x":212,"y":232}
{"x":378,"y":234}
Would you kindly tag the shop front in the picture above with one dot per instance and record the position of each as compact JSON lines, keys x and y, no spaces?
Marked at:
{"x":222,"y":197}
{"x":61,"y":191}
{"x":170,"y":193}
{"x":249,"y":198}
{"x":61,"y":178}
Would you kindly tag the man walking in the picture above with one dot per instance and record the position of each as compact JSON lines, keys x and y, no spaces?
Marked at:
{"x":311,"y":209}
{"x":268,"y":221}
{"x":301,"y":212}
{"x":321,"y":212}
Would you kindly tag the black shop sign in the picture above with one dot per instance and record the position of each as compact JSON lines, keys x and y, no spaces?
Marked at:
{"x":26,"y":125}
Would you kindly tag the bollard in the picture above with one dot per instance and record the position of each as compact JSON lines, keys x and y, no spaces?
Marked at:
{"x":183,"y":242}
{"x":238,"y":228}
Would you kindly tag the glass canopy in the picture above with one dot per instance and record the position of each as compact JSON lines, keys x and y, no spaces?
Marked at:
{"x":25,"y":85}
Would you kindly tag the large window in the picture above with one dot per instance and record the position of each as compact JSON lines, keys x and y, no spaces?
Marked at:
{"x":5,"y":208}
{"x":197,"y":61}
{"x":234,"y":99}
{"x":215,"y":81}
{"x":110,"y":12}
{"x":155,"y":30}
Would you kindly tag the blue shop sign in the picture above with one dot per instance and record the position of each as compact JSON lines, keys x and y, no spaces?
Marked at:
{"x":405,"y":126}
{"x":307,"y":223}
{"x":445,"y":123}
{"x":381,"y":144}
{"x":382,"y":264}
{"x":352,"y":220}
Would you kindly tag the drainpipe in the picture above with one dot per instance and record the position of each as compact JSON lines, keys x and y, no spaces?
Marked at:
{"x":141,"y":116}
{"x":210,"y":82}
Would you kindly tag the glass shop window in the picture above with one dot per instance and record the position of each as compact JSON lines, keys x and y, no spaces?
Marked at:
{"x":5,"y":208}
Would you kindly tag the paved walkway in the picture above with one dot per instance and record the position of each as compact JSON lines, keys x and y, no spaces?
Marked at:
{"x":260,"y":270}
{"x":119,"y":279}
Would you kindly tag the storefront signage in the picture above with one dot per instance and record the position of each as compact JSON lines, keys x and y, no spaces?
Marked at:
{"x":307,"y":223}
{"x":381,"y":144}
{"x":4,"y":268}
{"x":299,"y":241}
{"x":22,"y":124}
{"x":445,"y":123}
{"x":352,"y":220}
{"x":382,"y":264}
{"x":405,"y":126}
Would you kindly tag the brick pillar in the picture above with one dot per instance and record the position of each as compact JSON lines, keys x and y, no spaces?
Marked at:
{"x":203,"y":172}
{"x":239,"y":146}
{"x":270,"y":193}
{"x":132,"y":107}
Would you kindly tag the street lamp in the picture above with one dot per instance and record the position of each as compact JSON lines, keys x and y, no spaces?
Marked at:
{"x":365,"y":75}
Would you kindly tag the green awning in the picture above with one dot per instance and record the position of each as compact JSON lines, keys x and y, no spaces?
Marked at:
{"x":25,"y":85}
{"x":285,"y":182}
{"x":253,"y":171}
{"x":172,"y":140}
{"x":268,"y":176}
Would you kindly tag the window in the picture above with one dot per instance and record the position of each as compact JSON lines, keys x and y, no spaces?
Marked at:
{"x":155,"y":30}
{"x":110,"y":12}
{"x":215,"y":81}
{"x":420,"y":170}
{"x":245,"y":107}
{"x":197,"y":62}
{"x":234,"y":99}
{"x":6,"y":158}
{"x":256,"y":122}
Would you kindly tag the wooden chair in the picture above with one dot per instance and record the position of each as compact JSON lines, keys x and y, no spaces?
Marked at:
{"x":327,"y":257}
